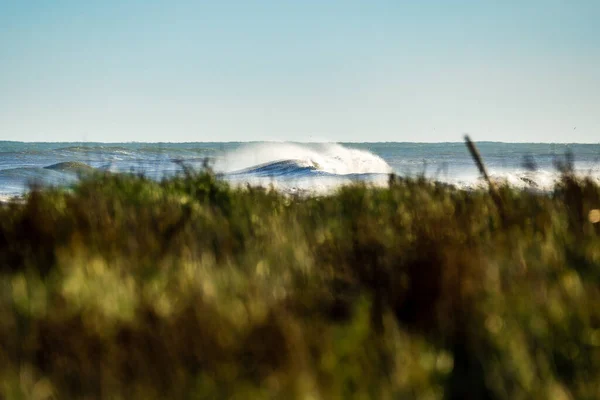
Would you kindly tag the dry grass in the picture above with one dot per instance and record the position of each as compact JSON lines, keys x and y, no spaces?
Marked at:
{"x":127,"y":288}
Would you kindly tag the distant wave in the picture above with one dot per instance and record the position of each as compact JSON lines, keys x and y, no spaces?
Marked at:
{"x":18,"y":153}
{"x":17,"y":180}
{"x":97,"y":150}
{"x":54,"y":170}
{"x":290,"y":159}
{"x":70,"y":166}
{"x":284,"y":168}
{"x":134,"y":150}
{"x":302,"y":168}
{"x":92,"y":148}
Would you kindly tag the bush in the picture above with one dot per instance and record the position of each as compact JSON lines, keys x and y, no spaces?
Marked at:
{"x":123,"y":287}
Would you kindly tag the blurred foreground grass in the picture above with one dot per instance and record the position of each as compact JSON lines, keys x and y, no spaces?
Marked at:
{"x":127,"y":288}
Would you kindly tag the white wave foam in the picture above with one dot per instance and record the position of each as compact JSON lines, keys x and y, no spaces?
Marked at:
{"x":9,"y":198}
{"x":540,"y":180}
{"x":327,"y":157}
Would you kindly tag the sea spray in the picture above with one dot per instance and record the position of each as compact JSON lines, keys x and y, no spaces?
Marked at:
{"x":295,"y":168}
{"x":331,"y":158}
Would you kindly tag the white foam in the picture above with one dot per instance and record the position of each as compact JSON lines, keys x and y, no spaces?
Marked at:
{"x":9,"y":198}
{"x":327,"y":157}
{"x":540,"y":180}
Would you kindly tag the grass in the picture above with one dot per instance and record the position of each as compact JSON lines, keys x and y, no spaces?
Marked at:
{"x":123,"y":287}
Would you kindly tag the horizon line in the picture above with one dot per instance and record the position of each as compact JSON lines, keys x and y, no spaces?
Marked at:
{"x":285,"y":141}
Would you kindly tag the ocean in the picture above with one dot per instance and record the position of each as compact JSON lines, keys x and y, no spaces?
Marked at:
{"x":293,"y":167}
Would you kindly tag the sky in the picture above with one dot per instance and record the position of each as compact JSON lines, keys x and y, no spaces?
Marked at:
{"x":310,"y":70}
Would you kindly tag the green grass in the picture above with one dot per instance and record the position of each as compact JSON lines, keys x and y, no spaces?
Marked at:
{"x":122,"y":287}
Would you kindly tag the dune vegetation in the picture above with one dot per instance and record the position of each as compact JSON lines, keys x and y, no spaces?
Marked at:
{"x":122,"y":287}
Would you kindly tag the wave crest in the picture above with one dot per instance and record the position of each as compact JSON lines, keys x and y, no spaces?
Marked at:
{"x":281,"y":159}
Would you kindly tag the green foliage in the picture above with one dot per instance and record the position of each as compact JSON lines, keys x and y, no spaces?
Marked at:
{"x":122,"y":287}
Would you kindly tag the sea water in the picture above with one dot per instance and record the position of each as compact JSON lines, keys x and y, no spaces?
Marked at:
{"x":294,"y":167}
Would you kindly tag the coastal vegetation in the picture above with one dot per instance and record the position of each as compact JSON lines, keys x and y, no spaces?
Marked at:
{"x":124,"y":287}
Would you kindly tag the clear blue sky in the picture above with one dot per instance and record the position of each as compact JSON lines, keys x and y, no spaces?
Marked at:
{"x":337,"y":70}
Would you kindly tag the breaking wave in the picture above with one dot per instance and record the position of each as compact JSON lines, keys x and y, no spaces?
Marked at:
{"x":316,"y":168}
{"x":298,"y":160}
